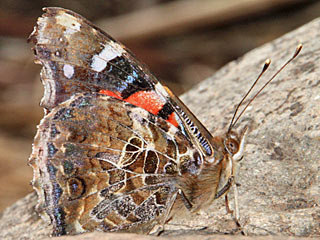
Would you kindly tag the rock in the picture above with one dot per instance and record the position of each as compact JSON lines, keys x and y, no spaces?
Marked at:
{"x":279,"y":177}
{"x":20,"y":221}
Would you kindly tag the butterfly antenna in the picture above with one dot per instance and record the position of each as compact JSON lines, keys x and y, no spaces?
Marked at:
{"x":265,"y":67}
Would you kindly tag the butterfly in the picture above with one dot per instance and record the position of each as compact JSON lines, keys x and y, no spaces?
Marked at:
{"x":116,"y":149}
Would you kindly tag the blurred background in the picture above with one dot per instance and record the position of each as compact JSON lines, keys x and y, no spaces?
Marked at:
{"x":182,"y":41}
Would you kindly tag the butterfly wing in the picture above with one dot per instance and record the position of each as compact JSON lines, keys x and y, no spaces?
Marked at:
{"x":103,"y":164}
{"x":115,"y":146}
{"x":79,"y":57}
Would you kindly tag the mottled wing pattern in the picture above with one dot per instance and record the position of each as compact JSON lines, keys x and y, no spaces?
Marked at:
{"x":115,"y":146}
{"x":79,"y":57}
{"x":103,"y":164}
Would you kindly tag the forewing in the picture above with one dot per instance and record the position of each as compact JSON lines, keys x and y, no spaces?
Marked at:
{"x":79,"y":57}
{"x":103,"y":164}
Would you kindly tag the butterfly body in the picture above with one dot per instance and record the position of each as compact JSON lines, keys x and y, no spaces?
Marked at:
{"x":116,"y":150}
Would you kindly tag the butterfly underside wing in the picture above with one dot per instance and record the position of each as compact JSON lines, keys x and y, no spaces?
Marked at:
{"x":116,"y":150}
{"x":104,"y":164}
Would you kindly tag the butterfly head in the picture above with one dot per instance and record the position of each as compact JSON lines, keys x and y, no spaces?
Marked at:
{"x":234,"y":143}
{"x":229,"y":146}
{"x":230,"y":149}
{"x":221,"y":169}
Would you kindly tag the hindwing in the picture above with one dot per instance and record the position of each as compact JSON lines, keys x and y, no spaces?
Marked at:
{"x":102,"y":163}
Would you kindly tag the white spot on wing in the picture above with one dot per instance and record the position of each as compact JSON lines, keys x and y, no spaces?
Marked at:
{"x":160,"y":89}
{"x":68,"y":70}
{"x":70,"y":22}
{"x":109,"y":52}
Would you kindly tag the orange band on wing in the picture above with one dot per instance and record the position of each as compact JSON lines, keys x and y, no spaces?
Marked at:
{"x":149,"y":101}
{"x":172,"y":119}
{"x":111,"y":94}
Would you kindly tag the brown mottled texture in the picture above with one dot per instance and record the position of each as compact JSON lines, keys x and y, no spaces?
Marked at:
{"x":110,"y":133}
{"x":95,"y":167}
{"x":73,"y":40}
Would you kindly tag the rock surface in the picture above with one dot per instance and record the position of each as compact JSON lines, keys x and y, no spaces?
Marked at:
{"x":279,"y":176}
{"x":279,"y":193}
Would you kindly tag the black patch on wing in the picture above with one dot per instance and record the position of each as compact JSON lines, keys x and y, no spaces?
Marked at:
{"x":130,"y":78}
{"x":55,"y":47}
{"x":166,"y":111}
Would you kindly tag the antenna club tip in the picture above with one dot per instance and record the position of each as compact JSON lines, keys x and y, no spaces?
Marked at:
{"x":298,"y":49}
{"x":268,"y":61}
{"x":266,"y":65}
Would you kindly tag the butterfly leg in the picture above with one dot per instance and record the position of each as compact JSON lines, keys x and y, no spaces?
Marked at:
{"x":185,"y":200}
{"x":225,"y":188}
{"x":226,"y":199}
{"x":159,"y":228}
{"x":236,"y":203}
{"x":235,"y":214}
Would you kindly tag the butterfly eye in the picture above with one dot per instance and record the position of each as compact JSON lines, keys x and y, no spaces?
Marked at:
{"x":232,"y":146}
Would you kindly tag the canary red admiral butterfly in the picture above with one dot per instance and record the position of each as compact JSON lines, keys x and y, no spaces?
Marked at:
{"x":116,"y":150}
